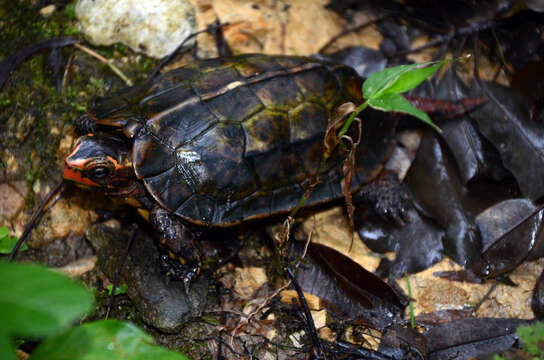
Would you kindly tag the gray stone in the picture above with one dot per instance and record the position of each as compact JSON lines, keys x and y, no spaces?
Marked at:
{"x":165,"y":306}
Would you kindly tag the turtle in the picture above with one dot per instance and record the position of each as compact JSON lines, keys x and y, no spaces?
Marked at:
{"x":228,"y":140}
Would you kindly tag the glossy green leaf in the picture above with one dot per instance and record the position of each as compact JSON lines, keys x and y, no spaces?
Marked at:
{"x":4,"y":232}
{"x":398,"y":79}
{"x":121,"y":289}
{"x":396,"y":102}
{"x":377,"y":82}
{"x":104,"y":340}
{"x":35,"y":301}
{"x":8,"y":242}
{"x":409,"y":80}
{"x":7,"y":348}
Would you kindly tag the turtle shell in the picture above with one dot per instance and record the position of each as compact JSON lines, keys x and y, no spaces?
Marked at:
{"x":230,"y":139}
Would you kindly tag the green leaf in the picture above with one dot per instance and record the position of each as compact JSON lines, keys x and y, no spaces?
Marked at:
{"x":532,"y":337}
{"x":35,"y":301}
{"x":7,"y":348}
{"x":4,"y":232}
{"x":377,"y":82}
{"x":409,"y":80}
{"x":105,"y":340}
{"x":8,"y":242}
{"x":399,"y":78}
{"x":121,"y":289}
{"x":396,"y":102}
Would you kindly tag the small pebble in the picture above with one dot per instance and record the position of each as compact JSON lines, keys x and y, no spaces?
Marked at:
{"x":48,"y":10}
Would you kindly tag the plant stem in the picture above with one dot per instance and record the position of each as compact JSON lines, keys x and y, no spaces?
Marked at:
{"x":326,"y":156}
{"x":306,"y":195}
{"x":109,"y":63}
{"x":411,"y":303}
{"x":353,"y":115}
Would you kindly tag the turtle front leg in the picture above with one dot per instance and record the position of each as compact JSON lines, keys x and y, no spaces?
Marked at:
{"x":387,"y":196}
{"x":85,"y":125}
{"x":181,"y":256}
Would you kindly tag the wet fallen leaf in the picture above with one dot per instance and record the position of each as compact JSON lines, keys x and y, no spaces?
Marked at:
{"x":435,"y":184}
{"x":406,"y":241}
{"x":476,"y":159}
{"x":403,"y":343}
{"x":519,"y":140}
{"x":514,"y":241}
{"x":347,"y":288}
{"x":467,"y":338}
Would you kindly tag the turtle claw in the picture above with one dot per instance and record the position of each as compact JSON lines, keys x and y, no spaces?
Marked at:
{"x":174,"y":270}
{"x":397,"y":212}
{"x":189,"y":277}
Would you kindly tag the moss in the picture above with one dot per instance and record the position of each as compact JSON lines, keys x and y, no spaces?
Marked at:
{"x":31,"y":93}
{"x":70,"y":11}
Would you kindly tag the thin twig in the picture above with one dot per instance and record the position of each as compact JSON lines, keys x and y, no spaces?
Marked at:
{"x":118,"y":271}
{"x":351,"y":30}
{"x":102,"y":59}
{"x":170,"y":56}
{"x":266,"y":301}
{"x":309,"y":319}
{"x":467,"y":30}
{"x":35,"y":218}
{"x":485,"y":297}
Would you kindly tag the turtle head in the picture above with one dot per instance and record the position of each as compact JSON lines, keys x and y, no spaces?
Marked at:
{"x":101,"y":161}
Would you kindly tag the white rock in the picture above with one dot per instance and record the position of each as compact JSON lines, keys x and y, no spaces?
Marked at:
{"x":154,"y":27}
{"x":47,"y":10}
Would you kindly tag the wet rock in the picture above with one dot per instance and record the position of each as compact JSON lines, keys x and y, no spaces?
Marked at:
{"x":249,"y":280}
{"x":279,"y":27}
{"x":435,"y":294}
{"x":165,"y":306}
{"x":332,"y":228}
{"x":155,"y":28}
{"x":69,"y":216}
{"x":11,"y":199}
{"x":80,"y":266}
{"x":61,"y":252}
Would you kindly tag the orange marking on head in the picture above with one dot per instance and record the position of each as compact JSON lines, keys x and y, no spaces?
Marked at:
{"x":77,"y":163}
{"x":117,"y":165}
{"x":74,"y":175}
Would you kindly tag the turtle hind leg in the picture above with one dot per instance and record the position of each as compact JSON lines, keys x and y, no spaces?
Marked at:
{"x":180,"y":258}
{"x":387,"y":197}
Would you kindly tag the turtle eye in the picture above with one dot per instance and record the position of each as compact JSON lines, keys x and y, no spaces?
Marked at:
{"x":100,"y":172}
